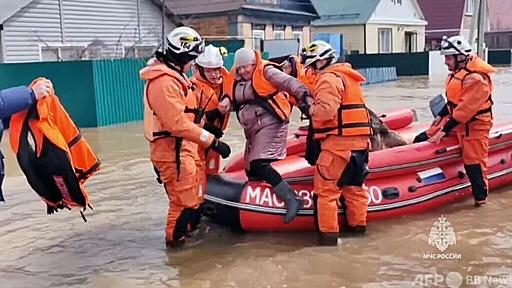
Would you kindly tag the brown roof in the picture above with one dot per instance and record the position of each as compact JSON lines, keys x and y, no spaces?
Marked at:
{"x":185,"y":7}
{"x":443,"y":14}
{"x":499,"y":15}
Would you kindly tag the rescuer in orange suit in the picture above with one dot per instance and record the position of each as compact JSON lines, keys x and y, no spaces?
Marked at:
{"x":468,"y":111}
{"x":341,"y":123}
{"x":209,"y":88}
{"x":174,"y":137}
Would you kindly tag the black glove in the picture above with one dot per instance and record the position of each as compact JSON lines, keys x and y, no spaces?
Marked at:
{"x":213,"y":129}
{"x":213,"y":115}
{"x":221,"y":148}
{"x":304,"y":108}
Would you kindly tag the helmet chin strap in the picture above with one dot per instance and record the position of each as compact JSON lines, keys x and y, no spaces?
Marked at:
{"x":327,"y":63}
{"x":459,"y":64}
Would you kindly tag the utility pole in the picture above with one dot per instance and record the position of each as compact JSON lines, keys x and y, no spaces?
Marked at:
{"x":163,"y":23}
{"x":481,"y":28}
{"x":474,"y":22}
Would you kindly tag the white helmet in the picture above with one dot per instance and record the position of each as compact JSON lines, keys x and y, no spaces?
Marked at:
{"x":455,"y":45}
{"x":317,"y":50}
{"x":184,"y":41}
{"x":211,"y":58}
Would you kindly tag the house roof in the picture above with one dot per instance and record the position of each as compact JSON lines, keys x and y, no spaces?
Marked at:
{"x":10,"y":7}
{"x":186,"y":7}
{"x":343,"y":12}
{"x":499,"y":15}
{"x":442,"y":14}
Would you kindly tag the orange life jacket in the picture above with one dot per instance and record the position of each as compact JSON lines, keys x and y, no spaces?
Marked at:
{"x":454,"y":85}
{"x":274,"y":101}
{"x":352,"y":118}
{"x":61,"y":161}
{"x":208,"y":98}
{"x":304,"y":75}
{"x":153,"y":128}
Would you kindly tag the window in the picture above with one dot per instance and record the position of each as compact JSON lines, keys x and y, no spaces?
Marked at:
{"x":385,"y":40}
{"x":470,"y":7}
{"x":410,"y":42}
{"x":496,"y":41}
{"x":278,"y":35}
{"x":298,"y":35}
{"x":258,"y":37}
{"x":399,"y":2}
{"x":62,"y":53}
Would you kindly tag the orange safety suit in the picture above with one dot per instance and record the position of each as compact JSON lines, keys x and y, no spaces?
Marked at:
{"x":342,"y":123}
{"x":60,"y":160}
{"x":174,"y":140}
{"x":208,"y":96}
{"x":274,"y":101}
{"x":469,"y":110}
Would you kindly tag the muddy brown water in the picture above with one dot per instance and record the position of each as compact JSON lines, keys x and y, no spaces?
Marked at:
{"x":122,"y":243}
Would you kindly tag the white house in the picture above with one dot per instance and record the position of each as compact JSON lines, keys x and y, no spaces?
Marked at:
{"x":370,"y":26}
{"x":56,"y":30}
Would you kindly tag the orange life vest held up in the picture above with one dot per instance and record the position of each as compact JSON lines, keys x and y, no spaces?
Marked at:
{"x":52,"y":154}
{"x":352,"y":118}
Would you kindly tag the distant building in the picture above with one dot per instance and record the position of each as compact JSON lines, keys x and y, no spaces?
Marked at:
{"x":371,"y":26}
{"x":248,"y":20}
{"x":54,"y":30}
{"x":448,"y":18}
{"x":500,"y":34}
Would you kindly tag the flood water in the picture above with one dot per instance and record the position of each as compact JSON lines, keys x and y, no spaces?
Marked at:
{"x":122,"y":244}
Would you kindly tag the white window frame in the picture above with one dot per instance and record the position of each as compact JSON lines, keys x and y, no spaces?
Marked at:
{"x":257,"y":34}
{"x":381,"y":44}
{"x":414,"y":41}
{"x":470,"y":7}
{"x":59,"y":47}
{"x":278,"y":33}
{"x":298,"y":35}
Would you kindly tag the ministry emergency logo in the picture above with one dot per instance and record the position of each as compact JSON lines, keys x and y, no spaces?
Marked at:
{"x":442,"y":236}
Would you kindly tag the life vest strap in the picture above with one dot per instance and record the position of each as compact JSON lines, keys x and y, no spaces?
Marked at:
{"x":343,"y":126}
{"x":75,"y":140}
{"x":352,"y":106}
{"x":82,"y":175}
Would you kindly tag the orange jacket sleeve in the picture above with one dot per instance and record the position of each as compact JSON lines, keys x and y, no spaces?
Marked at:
{"x":327,"y":97}
{"x":475,"y":92}
{"x":166,"y":98}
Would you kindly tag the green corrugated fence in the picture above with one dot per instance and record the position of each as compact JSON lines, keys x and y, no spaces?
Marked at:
{"x":118,"y":90}
{"x":95,"y":93}
{"x":73,"y":81}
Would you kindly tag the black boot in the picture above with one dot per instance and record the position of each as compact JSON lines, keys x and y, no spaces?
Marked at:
{"x":293,"y":203}
{"x":478,"y":187}
{"x":327,"y":239}
{"x":349,"y":231}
